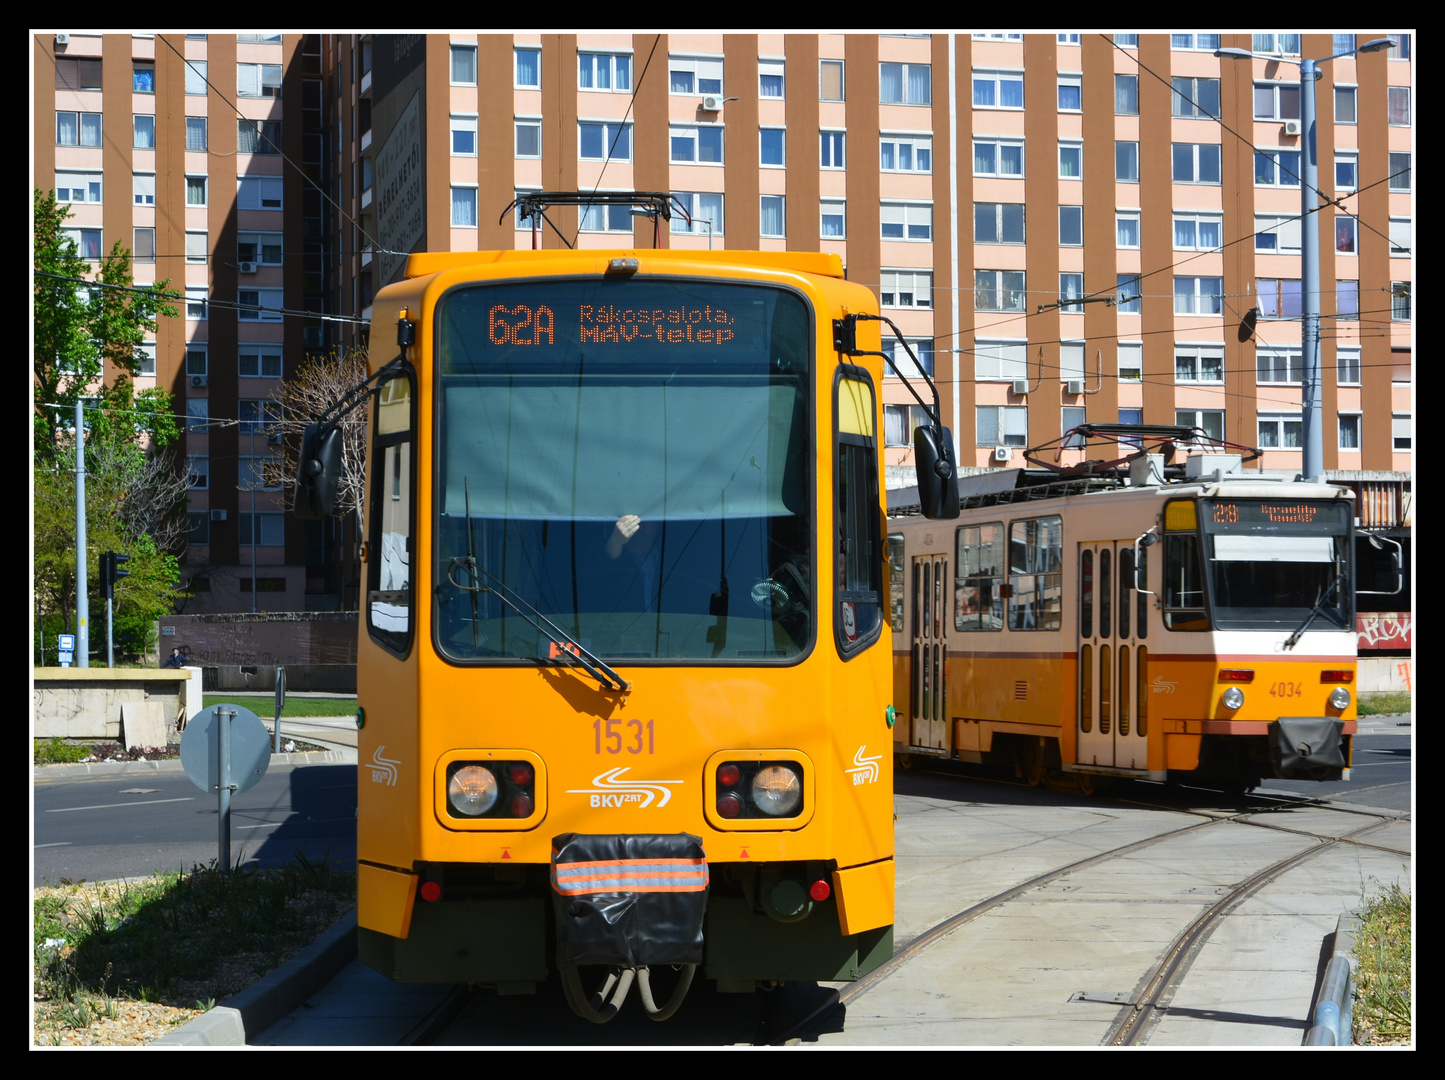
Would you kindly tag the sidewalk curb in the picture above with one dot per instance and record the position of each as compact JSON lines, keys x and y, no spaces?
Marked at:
{"x":272,"y":996}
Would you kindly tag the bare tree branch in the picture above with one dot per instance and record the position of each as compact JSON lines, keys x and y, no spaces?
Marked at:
{"x":315,"y":387}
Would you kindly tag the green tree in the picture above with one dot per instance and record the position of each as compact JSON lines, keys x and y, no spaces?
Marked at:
{"x":87,"y":344}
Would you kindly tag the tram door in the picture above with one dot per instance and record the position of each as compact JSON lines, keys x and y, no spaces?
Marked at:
{"x":931,"y":593}
{"x":1113,"y":627}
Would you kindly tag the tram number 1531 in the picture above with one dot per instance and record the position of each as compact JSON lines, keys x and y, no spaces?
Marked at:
{"x":632,"y":736}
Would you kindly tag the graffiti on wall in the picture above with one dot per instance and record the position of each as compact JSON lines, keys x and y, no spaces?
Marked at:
{"x":1383,"y":630}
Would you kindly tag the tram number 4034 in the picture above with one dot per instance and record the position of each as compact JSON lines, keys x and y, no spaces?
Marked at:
{"x":617,"y":736}
{"x":1287,"y":689}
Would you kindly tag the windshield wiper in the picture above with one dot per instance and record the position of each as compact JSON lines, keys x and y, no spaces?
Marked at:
{"x":566,"y":648}
{"x":1293,"y":639}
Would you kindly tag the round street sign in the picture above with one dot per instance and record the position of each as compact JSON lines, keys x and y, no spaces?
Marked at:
{"x":250,"y":747}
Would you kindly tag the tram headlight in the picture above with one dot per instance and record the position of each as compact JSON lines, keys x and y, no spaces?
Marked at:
{"x":1339,"y":698}
{"x":777,"y":790}
{"x":1233,"y":698}
{"x":472,"y":790}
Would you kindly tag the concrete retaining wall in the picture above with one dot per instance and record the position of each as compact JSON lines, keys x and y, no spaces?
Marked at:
{"x":87,"y":703}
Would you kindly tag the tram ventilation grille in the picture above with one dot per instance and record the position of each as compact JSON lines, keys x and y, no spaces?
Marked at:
{"x":1021,"y":691}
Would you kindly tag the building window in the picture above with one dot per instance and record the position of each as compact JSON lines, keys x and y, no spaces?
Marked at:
{"x":1400,"y":301}
{"x":1071,"y":161}
{"x":1400,"y":431}
{"x":464,"y":137}
{"x":1071,"y":360}
{"x":997,"y":89}
{"x":1126,"y":162}
{"x":604,"y":71}
{"x":1071,"y":93}
{"x":906,"y":221}
{"x":263,"y":248}
{"x":1347,"y":171}
{"x":1349,"y":431}
{"x":830,"y":80}
{"x":145,"y":131}
{"x":1197,"y":232}
{"x":257,"y":415}
{"x":196,"y":78}
{"x":705,"y":208}
{"x":922,"y":349}
{"x":1280,"y":431}
{"x":198,"y":250}
{"x":196,"y":133}
{"x":998,"y":223}
{"x":259,"y":361}
{"x":910,"y":84}
{"x":1197,"y":163}
{"x":998,"y":157}
{"x":1131,"y":366}
{"x":1070,"y":417}
{"x":77,"y":187}
{"x":198,"y":472}
{"x":1276,"y":168}
{"x":1126,"y":228}
{"x":834,"y":222}
{"x":528,"y":135}
{"x":1198,"y":295}
{"x":1126,"y":95}
{"x":1276,"y":101}
{"x":464,"y":66}
{"x":195,"y":302}
{"x":251,"y":473}
{"x":77,"y":129}
{"x":146,"y":354}
{"x":1347,"y":300}
{"x":1345,"y":229}
{"x":1071,"y":226}
{"x":270,"y":529}
{"x":1401,"y":236}
{"x":1344,"y":104}
{"x":772,"y":220}
{"x":1002,"y":425}
{"x":770,"y":78}
{"x":259,"y":305}
{"x":1278,"y":366}
{"x":831,"y":150}
{"x":694,"y":76}
{"x":906,"y":289}
{"x":1000,"y":361}
{"x":772,"y":147}
{"x":604,"y":142}
{"x":998,"y":290}
{"x":1279,"y":233}
{"x":1198,"y":365}
{"x":259,"y":193}
{"x":1129,"y":298}
{"x":87,"y":242}
{"x":1127,"y":41}
{"x":906,"y":153}
{"x":528,"y":68}
{"x":1071,"y":287}
{"x":258,"y":136}
{"x":1347,"y":367}
{"x":258,"y":80}
{"x":143,"y":79}
{"x":601,"y":217}
{"x":143,"y":246}
{"x":1401,"y":49}
{"x":1209,"y":421}
{"x":196,"y":360}
{"x":1399,"y":172}
{"x":1069,"y":39}
{"x":77,"y":73}
{"x":195,"y":191}
{"x":1400,"y":106}
{"x":464,"y":208}
{"x":197,"y":415}
{"x":901,"y":421}
{"x":1282,"y":44}
{"x":697,"y":145}
{"x":1279,"y":298}
{"x":1195,"y":98}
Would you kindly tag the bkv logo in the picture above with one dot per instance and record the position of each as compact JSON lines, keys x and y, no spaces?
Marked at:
{"x":383,"y":770}
{"x":865,"y":769}
{"x":611,"y":789}
{"x":1162,"y":685}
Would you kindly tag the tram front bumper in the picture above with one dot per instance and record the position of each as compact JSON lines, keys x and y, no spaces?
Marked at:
{"x":1304,"y":747}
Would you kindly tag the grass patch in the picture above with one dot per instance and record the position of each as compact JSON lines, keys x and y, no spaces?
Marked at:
{"x":1382,"y":970}
{"x":264,"y":705}
{"x":182,"y":941}
{"x":59,"y":752}
{"x":1380,"y":704}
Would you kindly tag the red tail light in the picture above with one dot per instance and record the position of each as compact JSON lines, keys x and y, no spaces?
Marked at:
{"x":1337,"y":676}
{"x":1232,"y":675}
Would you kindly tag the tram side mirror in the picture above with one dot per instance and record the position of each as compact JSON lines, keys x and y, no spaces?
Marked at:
{"x":318,"y":472}
{"x":1148,"y":540}
{"x":937,"y":471}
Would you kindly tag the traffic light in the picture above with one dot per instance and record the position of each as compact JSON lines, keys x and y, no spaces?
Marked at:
{"x":110,"y":571}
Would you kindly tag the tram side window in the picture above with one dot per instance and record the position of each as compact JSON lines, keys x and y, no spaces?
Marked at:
{"x":895,"y":581}
{"x":977,"y":587}
{"x":1183,"y":584}
{"x":389,"y":512}
{"x":1036,"y":580}
{"x":859,"y":523}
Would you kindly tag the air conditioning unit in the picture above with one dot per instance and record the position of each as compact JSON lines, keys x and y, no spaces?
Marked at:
{"x":273,"y":438}
{"x":712,"y":103}
{"x":62,"y":39}
{"x":218,"y":515}
{"x":1003,"y":453}
{"x":1074,"y":386}
{"x":198,"y":380}
{"x":1294,"y":127}
{"x":246,"y":267}
{"x":1021,"y":387}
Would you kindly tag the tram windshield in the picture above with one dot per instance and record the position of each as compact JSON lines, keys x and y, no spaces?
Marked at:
{"x":632,"y":459}
{"x":1270,"y":563}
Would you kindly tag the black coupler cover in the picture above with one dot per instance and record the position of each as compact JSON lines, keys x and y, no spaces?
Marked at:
{"x":1302,"y":744}
{"x":629,"y":901}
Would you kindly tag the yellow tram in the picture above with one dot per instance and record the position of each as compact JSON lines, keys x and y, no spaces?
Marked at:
{"x":1188,"y":621}
{"x":624,"y":672}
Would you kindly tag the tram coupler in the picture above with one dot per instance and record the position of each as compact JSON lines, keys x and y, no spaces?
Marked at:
{"x":1307,"y":747}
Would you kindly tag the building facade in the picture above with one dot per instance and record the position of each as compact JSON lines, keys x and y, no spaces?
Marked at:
{"x":1065,"y":227}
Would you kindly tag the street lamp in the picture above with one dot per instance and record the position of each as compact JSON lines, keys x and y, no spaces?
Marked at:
{"x":1309,"y":74}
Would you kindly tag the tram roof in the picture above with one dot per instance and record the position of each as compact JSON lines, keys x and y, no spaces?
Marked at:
{"x":595,"y":260}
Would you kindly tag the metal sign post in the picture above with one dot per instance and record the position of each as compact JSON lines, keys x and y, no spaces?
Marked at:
{"x":280,"y":703}
{"x":224,"y":749}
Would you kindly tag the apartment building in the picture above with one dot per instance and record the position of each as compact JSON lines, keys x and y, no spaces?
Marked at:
{"x":1065,"y":227}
